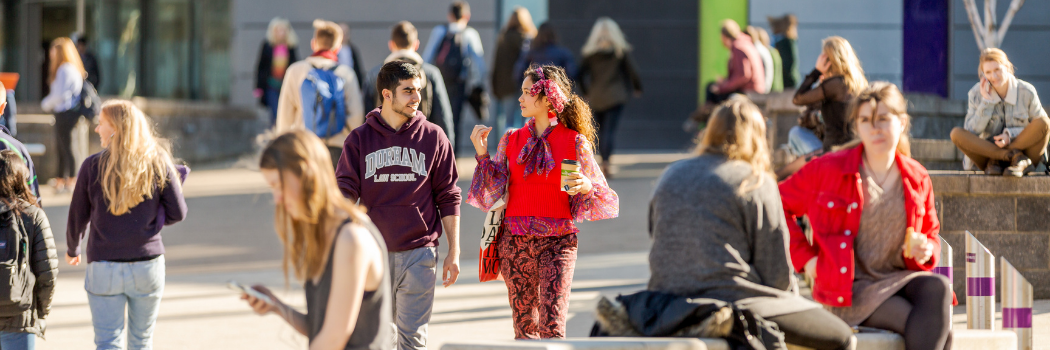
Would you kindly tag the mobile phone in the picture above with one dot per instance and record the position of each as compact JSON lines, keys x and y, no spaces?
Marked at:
{"x":250,"y":291}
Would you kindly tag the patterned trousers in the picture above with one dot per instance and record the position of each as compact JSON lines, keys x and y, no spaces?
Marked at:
{"x":538,"y":272}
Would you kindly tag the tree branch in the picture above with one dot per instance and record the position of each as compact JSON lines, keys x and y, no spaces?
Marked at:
{"x":1015,"y":5}
{"x":975,"y":22}
{"x":989,"y":23}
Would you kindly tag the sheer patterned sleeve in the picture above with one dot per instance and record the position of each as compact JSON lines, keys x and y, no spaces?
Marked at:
{"x":602,"y":202}
{"x":489,"y":182}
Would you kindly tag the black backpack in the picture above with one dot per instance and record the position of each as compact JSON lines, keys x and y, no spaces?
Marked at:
{"x":90,"y":103}
{"x":16,"y":296}
{"x":450,"y":59}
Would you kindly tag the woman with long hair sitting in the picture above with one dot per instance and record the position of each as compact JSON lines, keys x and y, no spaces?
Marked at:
{"x":875,"y":229}
{"x":127,"y":193}
{"x":719,"y":231}
{"x":330,"y":245}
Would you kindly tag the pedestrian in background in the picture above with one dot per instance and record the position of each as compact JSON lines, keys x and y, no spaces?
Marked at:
{"x":538,"y":249}
{"x":776,"y":71}
{"x":836,"y":78}
{"x":513,"y":40}
{"x":28,"y":245}
{"x":456,"y":49}
{"x":8,"y":141}
{"x":745,"y":70}
{"x":875,"y":228}
{"x":87,"y":57}
{"x":1006,"y":125}
{"x":348,"y":55}
{"x":126,"y":194}
{"x":764,"y":54}
{"x":433,"y":98}
{"x":608,"y":78}
{"x":332,"y":248}
{"x":785,"y":39}
{"x":277,"y":53}
{"x":66,"y":78}
{"x":545,"y":50}
{"x":740,"y":256}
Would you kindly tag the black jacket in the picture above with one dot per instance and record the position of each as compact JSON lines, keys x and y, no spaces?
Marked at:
{"x":43,"y":262}
{"x":264,"y":69}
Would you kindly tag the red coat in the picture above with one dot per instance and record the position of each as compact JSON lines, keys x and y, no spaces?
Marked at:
{"x":828,"y":190}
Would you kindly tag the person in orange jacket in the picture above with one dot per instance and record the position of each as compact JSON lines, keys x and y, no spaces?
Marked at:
{"x":875,"y":229}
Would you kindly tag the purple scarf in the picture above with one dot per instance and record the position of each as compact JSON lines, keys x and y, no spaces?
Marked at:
{"x":536,"y":155}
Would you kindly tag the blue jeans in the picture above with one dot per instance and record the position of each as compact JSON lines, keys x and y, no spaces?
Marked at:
{"x":272,"y":97}
{"x":802,"y":141}
{"x":113,"y":285}
{"x":413,"y":277}
{"x":17,"y":341}
{"x":508,"y":115}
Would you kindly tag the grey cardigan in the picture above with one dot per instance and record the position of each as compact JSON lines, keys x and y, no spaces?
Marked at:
{"x":710,"y":241}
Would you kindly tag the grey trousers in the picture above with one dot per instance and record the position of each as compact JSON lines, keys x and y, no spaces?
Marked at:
{"x":413,"y":276}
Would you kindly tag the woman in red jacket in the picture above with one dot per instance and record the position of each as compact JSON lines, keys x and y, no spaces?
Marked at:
{"x":874,"y":228}
{"x":538,"y":248}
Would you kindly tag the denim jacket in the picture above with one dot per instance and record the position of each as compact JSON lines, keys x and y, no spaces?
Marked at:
{"x":987,"y":118}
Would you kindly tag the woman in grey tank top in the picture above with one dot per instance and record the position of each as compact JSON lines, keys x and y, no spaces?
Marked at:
{"x":332,"y":248}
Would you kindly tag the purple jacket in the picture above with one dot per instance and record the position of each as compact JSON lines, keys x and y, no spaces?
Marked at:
{"x":405,"y":178}
{"x":135,"y":234}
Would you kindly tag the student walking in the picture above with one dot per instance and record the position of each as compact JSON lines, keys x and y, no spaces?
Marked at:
{"x":875,"y":228}
{"x":334,"y":105}
{"x":740,"y":256}
{"x":456,"y":49}
{"x":66,"y":78}
{"x":277,"y":53}
{"x":1006,"y":126}
{"x":433,"y":98}
{"x":27,"y":244}
{"x":401,"y":168}
{"x":838,"y":77}
{"x":785,"y":39}
{"x":538,"y":251}
{"x":331,"y":247}
{"x":127,"y":193}
{"x":608,"y":78}
{"x":514,"y":39}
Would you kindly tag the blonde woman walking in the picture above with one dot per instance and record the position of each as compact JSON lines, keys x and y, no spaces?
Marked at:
{"x":607,"y":78}
{"x":66,"y":79}
{"x":277,"y":53}
{"x":127,"y":193}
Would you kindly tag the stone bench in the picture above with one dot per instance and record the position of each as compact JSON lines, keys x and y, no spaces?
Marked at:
{"x":1010,"y":216}
{"x":963,"y":340}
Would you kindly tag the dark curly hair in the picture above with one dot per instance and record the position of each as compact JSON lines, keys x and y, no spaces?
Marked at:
{"x":577,"y":114}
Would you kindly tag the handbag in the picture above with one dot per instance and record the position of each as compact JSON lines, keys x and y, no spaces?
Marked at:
{"x":489,"y":265}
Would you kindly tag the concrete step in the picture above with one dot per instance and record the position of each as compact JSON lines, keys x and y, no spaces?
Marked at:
{"x":964,"y":339}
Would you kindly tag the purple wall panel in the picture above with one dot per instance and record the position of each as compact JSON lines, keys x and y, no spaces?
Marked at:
{"x":925,"y":62}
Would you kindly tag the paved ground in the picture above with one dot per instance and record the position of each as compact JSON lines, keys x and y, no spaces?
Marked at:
{"x":229,"y":235}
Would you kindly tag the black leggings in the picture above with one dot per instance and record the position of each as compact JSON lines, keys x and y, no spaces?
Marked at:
{"x":64,"y":124}
{"x":921,"y":311}
{"x":814,"y":328}
{"x":607,"y":122}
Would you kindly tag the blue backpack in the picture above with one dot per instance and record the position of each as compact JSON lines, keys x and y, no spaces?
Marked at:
{"x":324,"y":104}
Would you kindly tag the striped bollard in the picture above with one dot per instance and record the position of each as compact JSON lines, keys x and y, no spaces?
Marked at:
{"x":1017,"y":304}
{"x":945,"y":265}
{"x":980,"y":285}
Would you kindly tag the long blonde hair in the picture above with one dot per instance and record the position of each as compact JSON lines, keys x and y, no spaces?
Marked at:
{"x":844,"y":62}
{"x":137,"y":163}
{"x":735,"y":132}
{"x":291,"y":39}
{"x":67,"y":53}
{"x":306,"y":243}
{"x":890,"y":96}
{"x":606,"y":36}
{"x":521,"y":21}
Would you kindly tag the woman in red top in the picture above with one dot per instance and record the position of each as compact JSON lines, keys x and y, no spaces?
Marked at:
{"x":538,"y":248}
{"x":874,"y":227}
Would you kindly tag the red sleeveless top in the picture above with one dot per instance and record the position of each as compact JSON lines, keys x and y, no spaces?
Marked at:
{"x":539,"y":194}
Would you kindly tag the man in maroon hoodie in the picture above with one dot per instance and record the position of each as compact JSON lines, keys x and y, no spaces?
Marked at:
{"x":745,"y":66}
{"x":401,"y":168}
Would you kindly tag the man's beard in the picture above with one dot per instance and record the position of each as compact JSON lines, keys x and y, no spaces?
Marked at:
{"x":404,"y":110}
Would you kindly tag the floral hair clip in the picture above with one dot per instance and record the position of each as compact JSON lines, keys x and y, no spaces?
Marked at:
{"x":553,"y":92}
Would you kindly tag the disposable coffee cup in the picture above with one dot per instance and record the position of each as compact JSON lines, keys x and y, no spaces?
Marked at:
{"x":568,"y":168}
